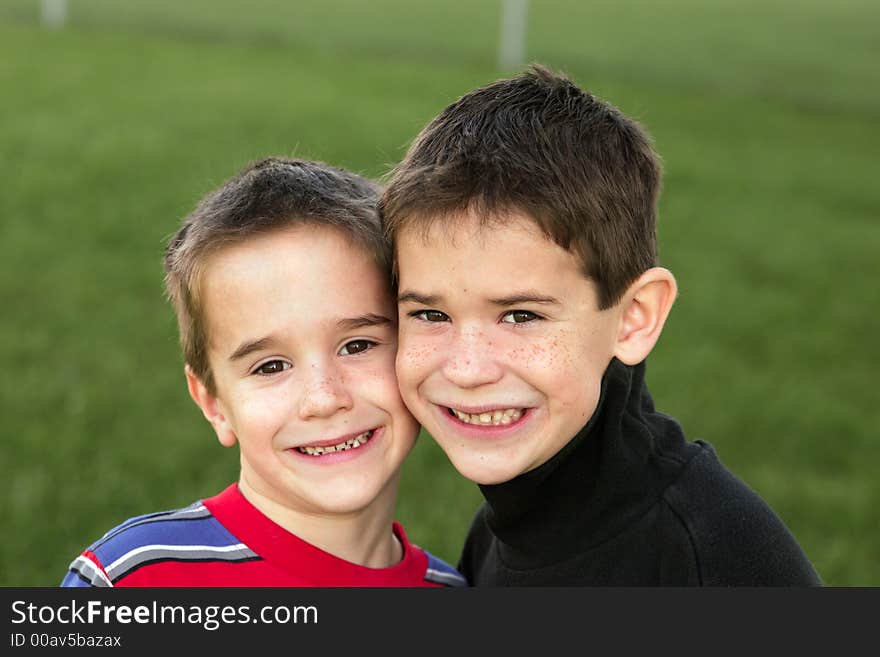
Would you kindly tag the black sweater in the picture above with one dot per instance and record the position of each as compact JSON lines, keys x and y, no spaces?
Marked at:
{"x":630,"y":502}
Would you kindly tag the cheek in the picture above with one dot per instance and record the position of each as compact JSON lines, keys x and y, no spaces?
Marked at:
{"x":415,"y":359}
{"x":261,"y":414}
{"x":578,"y":374}
{"x":547,"y":362}
{"x":378,"y":386}
{"x":565,"y":367}
{"x":381,"y":391}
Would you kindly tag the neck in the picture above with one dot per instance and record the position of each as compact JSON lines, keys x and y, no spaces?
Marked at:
{"x":364,"y":537}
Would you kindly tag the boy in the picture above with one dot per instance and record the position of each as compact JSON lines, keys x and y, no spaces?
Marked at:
{"x":523,"y":219}
{"x":280,"y":284}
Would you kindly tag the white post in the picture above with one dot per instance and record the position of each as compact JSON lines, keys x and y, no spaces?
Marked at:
{"x":512,"y":45}
{"x":54,"y":13}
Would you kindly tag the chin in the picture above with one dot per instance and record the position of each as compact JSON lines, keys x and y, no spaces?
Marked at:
{"x":348,"y":499}
{"x":346,"y":506}
{"x":483,"y":474}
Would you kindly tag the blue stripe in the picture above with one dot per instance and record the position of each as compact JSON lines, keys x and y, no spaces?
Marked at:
{"x":169,"y":528}
{"x":193,"y":511}
{"x":74,"y":580}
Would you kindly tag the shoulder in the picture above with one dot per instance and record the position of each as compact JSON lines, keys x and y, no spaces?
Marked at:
{"x":440,"y":572}
{"x":424,"y":566}
{"x":190,"y":533}
{"x":738,"y":540}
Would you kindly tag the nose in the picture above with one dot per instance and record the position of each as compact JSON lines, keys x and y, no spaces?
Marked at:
{"x":324,"y":392}
{"x":471,"y":360}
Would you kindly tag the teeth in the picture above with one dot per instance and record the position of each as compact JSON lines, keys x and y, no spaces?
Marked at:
{"x":351,"y":443}
{"x":491,"y":419}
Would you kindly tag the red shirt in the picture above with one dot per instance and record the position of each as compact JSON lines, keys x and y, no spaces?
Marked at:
{"x":225,"y":541}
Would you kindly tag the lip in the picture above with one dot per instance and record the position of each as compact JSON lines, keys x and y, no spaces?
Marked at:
{"x":338,"y":457}
{"x":484,"y":431}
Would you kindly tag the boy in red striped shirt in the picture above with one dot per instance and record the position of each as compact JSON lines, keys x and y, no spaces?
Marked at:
{"x":280,"y":282}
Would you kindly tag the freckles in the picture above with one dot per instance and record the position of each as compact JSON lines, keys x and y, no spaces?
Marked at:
{"x":560,"y":353}
{"x":376,"y":375}
{"x":539,"y":355}
{"x":561,"y":348}
{"x":415,"y":357}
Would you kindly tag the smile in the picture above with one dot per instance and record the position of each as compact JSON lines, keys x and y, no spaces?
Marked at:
{"x":494,"y":418}
{"x":351,"y":443}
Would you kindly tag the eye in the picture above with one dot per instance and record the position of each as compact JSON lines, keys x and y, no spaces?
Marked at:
{"x":430,"y":315}
{"x":519,"y":317}
{"x":272,"y":367}
{"x":356,"y":347}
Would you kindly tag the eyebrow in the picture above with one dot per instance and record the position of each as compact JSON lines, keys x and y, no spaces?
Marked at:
{"x":362,"y":321}
{"x":527,"y":296}
{"x":250,"y":347}
{"x":409,"y":296}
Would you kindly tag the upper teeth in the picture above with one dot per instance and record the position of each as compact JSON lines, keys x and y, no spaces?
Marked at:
{"x":351,"y":443}
{"x":490,"y":418}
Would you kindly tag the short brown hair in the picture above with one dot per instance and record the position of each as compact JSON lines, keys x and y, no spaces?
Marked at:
{"x":267,"y":195}
{"x":585,"y":173}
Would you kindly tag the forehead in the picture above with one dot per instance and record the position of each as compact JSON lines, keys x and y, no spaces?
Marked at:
{"x":508,"y":249}
{"x":291,"y":279}
{"x":469,"y":225}
{"x":291,"y":252}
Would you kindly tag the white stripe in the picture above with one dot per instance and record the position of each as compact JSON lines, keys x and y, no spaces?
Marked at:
{"x":177,"y":512}
{"x":154,"y":517}
{"x":185,"y":509}
{"x":88,"y":568}
{"x":440,"y":576}
{"x":176,"y":548}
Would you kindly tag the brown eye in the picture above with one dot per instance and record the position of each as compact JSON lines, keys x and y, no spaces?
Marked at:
{"x":519,"y":317}
{"x":356,"y":347}
{"x":431,"y":316}
{"x":272,"y":367}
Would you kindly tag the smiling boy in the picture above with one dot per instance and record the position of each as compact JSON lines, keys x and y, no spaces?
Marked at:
{"x":523,"y":220}
{"x":280,"y":281}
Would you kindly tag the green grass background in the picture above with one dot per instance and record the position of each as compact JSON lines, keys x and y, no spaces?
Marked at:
{"x":766,"y":114}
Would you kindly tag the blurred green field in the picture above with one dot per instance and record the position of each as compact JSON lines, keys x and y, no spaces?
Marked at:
{"x":766,"y":114}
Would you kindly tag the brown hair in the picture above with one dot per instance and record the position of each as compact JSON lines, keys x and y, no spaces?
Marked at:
{"x":271,"y":194}
{"x":585,"y":173}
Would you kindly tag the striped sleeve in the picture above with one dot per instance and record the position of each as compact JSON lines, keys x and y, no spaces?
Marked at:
{"x":86,"y":571}
{"x":188,"y":534}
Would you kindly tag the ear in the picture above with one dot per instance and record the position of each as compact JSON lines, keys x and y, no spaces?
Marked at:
{"x":211,"y":407}
{"x":644,"y":309}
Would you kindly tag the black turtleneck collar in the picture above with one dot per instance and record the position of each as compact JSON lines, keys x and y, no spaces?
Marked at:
{"x":609,"y":474}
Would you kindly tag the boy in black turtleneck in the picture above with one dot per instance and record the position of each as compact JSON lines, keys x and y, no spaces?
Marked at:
{"x":530,"y":295}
